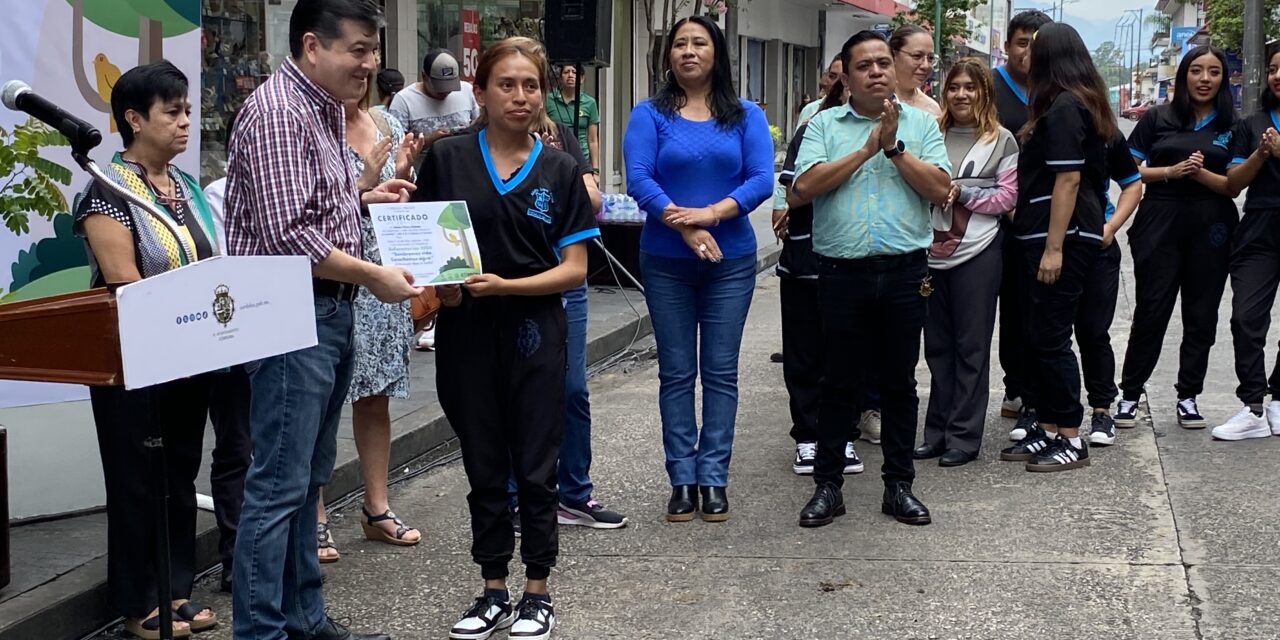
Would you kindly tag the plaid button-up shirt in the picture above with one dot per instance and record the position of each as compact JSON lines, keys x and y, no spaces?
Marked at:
{"x":290,"y":188}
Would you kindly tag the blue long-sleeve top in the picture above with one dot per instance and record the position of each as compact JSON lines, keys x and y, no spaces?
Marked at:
{"x":697,"y":164}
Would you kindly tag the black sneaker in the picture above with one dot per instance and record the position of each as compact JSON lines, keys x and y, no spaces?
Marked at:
{"x":535,"y":618}
{"x":1189,"y":414}
{"x":487,"y":615}
{"x":515,"y":520}
{"x":590,"y":514}
{"x":852,"y":463}
{"x":1126,"y":415}
{"x":1060,"y":456}
{"x":1026,"y":422}
{"x":1029,"y":447}
{"x":1102,"y":431}
{"x":806,"y":456}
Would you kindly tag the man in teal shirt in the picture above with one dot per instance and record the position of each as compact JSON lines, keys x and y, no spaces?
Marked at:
{"x":871,"y":168}
{"x":560,"y":108}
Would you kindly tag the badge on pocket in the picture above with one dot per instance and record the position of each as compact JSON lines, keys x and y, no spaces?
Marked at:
{"x":926,"y":287}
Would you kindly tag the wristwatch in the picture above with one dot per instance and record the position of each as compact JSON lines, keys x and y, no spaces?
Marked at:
{"x":896,"y":150}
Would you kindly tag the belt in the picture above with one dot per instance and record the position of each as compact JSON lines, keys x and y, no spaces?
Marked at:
{"x":334,"y":289}
{"x":874,"y":263}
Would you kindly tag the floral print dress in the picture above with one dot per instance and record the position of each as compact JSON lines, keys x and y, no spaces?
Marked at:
{"x":383,"y":332}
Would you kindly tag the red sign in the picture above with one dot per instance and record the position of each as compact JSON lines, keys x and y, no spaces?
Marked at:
{"x":470,"y":19}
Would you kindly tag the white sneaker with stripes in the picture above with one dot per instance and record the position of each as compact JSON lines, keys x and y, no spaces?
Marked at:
{"x":1061,"y":455}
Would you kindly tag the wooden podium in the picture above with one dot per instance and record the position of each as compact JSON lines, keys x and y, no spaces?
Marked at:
{"x":72,"y":338}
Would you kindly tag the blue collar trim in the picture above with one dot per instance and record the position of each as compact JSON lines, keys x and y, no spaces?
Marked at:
{"x":505,"y":187}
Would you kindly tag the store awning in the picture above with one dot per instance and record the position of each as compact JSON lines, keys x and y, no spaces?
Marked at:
{"x":887,"y":8}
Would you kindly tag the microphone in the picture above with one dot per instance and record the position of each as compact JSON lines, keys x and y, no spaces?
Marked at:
{"x":17,"y":96}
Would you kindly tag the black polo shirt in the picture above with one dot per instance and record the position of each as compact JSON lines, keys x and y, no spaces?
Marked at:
{"x":797,"y":259}
{"x":1123,"y":170}
{"x":522,"y":221}
{"x":1064,"y":139}
{"x":1011,"y":102}
{"x":1161,"y":140}
{"x":1264,"y":191}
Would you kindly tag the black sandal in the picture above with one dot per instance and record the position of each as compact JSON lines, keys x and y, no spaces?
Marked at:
{"x":373,"y":532}
{"x":324,"y":540}
{"x":149,"y":629}
{"x":187,"y":613}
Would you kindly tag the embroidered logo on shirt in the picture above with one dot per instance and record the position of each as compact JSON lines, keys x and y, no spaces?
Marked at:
{"x":542,"y":200}
{"x":1218,"y":234}
{"x":529,"y":338}
{"x":1222,"y":140}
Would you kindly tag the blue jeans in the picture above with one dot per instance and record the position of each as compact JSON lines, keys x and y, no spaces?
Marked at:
{"x":698,"y":310}
{"x":296,"y":401}
{"x":575,"y":450}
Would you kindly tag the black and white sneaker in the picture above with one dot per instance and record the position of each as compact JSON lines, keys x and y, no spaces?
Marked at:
{"x":1037,"y":440}
{"x":535,"y":618}
{"x":590,"y":514}
{"x":1060,"y":456}
{"x":852,"y":463}
{"x":1126,"y":415}
{"x":806,"y":455}
{"x":1103,"y":430}
{"x":1189,"y":414}
{"x":1026,"y":421}
{"x":488,"y":615}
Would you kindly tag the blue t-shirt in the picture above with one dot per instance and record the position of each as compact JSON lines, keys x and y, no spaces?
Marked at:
{"x":697,"y":164}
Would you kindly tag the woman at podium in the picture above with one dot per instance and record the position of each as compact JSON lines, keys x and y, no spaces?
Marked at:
{"x":126,"y":243}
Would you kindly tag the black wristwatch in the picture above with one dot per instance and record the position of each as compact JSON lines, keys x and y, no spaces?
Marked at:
{"x":896,"y":150}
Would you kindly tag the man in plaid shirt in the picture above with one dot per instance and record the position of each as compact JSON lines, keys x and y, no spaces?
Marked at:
{"x":290,"y":191}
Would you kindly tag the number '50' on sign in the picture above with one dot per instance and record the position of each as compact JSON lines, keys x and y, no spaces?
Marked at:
{"x":469,"y":59}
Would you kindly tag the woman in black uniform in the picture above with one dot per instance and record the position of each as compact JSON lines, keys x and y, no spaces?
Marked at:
{"x":1181,"y":236}
{"x":1255,"y":261}
{"x":501,"y":349}
{"x":1062,"y":171}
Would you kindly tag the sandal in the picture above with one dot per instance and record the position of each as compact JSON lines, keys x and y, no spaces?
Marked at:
{"x":189,"y":611}
{"x":149,"y":629}
{"x":373,"y":532}
{"x":324,"y":540}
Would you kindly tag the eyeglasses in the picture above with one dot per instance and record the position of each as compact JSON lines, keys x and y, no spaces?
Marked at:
{"x":920,"y":56}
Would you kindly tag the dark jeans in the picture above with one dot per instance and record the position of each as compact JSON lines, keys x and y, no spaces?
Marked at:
{"x":229,"y":408}
{"x":1053,"y":308}
{"x":296,"y":400}
{"x":1014,"y":349}
{"x":957,"y":346}
{"x":123,"y":420}
{"x":1178,"y":248}
{"x":1255,"y":275}
{"x":698,"y":309}
{"x":1093,"y":326}
{"x":500,"y":365}
{"x":873,"y":313}
{"x":802,"y":354}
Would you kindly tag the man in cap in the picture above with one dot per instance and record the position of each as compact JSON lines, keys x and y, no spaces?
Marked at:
{"x":440,"y":102}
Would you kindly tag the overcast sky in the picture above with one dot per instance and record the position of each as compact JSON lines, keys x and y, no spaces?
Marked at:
{"x":1096,"y":19}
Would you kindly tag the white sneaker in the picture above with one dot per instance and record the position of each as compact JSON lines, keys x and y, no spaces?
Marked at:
{"x":1011,"y":407}
{"x":1273,"y":416}
{"x":806,"y":455}
{"x":427,"y":340}
{"x":534,"y":620}
{"x":870,"y":426}
{"x":1242,"y":426}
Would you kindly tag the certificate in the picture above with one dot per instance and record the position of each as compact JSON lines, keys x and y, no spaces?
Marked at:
{"x":432,"y":240}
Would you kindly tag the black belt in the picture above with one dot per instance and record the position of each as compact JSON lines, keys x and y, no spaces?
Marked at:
{"x":334,"y":289}
{"x":874,"y":263}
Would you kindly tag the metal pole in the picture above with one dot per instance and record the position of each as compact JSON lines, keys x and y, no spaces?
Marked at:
{"x":1251,"y":78}
{"x":937,"y":38}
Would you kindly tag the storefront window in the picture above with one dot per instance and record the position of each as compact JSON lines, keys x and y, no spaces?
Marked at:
{"x":236,"y":58}
{"x":467,"y":27}
{"x":755,"y":70}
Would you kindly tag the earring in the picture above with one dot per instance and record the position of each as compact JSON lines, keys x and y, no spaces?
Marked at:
{"x":670,"y":77}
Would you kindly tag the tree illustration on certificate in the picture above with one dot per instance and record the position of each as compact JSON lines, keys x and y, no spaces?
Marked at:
{"x":433,"y":240}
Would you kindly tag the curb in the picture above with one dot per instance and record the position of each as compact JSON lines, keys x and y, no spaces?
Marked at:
{"x":75,"y":604}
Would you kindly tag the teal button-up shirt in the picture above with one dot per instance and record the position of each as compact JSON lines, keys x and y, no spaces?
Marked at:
{"x":875,"y":212}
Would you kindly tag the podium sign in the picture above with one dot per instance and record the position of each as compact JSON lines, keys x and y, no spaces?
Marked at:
{"x":214,"y":314}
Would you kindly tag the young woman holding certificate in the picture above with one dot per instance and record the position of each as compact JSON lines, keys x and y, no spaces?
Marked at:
{"x":501,"y":350}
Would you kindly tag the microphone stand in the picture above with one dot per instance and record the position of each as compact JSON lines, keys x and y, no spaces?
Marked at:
{"x":154,"y":442}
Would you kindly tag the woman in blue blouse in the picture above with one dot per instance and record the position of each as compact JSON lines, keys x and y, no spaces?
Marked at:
{"x":699,"y":160}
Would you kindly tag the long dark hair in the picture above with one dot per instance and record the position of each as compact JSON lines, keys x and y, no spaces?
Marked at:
{"x":1061,"y":63}
{"x":834,"y":97}
{"x":1222,"y":103}
{"x":726,"y":108}
{"x":1267,"y":99}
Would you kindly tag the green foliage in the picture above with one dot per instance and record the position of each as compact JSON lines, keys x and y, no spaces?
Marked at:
{"x":29,"y":183}
{"x":955,"y":22}
{"x":1227,"y":20}
{"x":454,"y":263}
{"x":1111,"y":64}
{"x":57,"y":253}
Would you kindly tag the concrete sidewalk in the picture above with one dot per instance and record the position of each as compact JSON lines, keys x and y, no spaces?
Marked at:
{"x":1169,"y":535}
{"x":59,"y":567}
